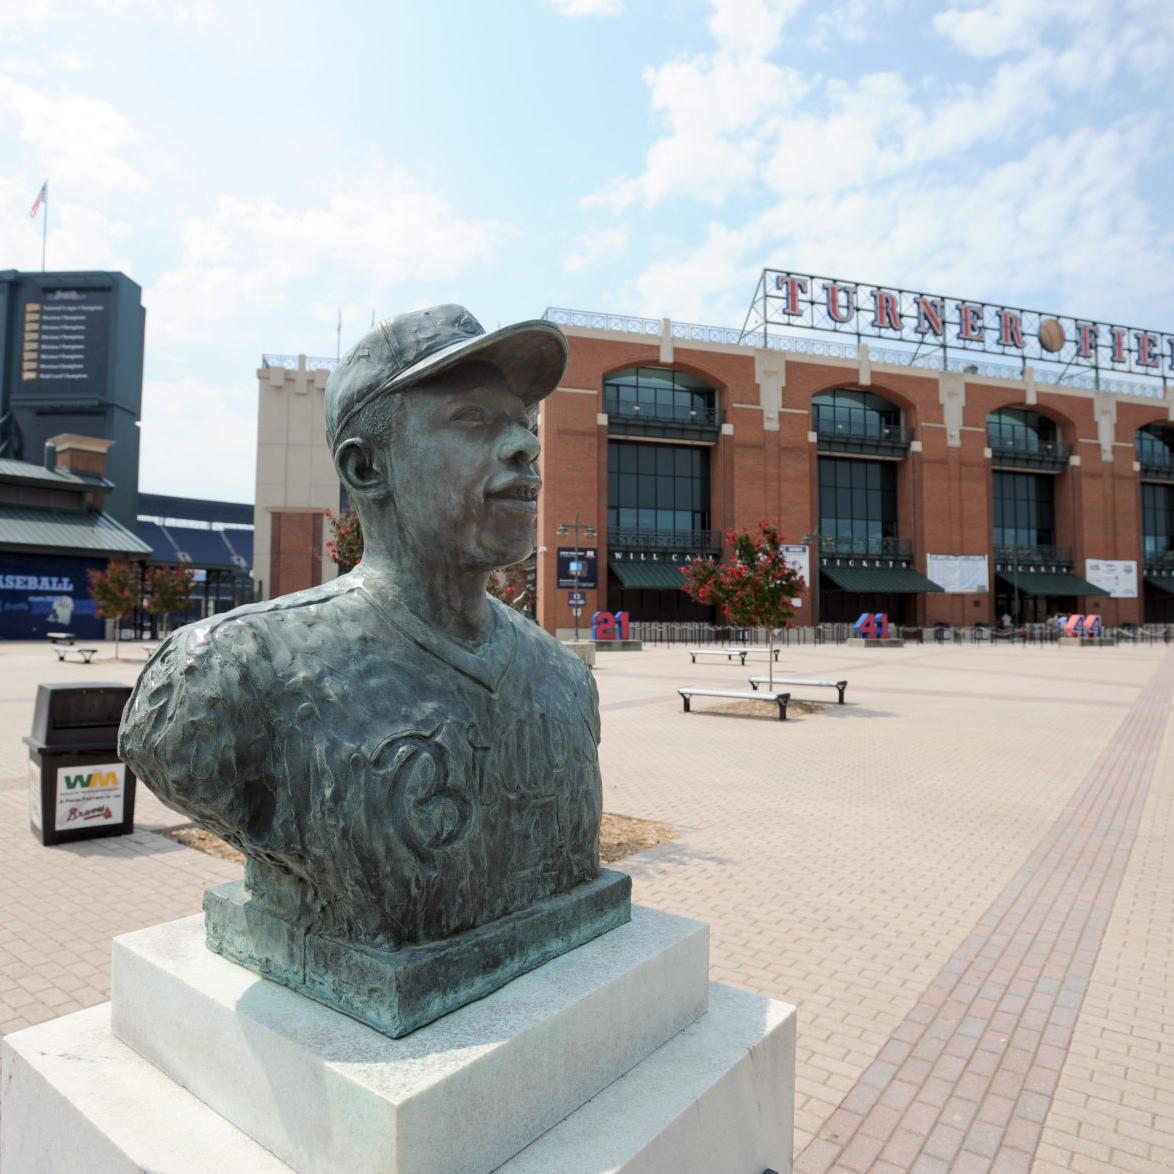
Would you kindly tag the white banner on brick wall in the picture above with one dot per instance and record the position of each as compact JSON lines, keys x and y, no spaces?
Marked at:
{"x":959,"y":574}
{"x":1117,"y":576}
{"x":799,"y":558}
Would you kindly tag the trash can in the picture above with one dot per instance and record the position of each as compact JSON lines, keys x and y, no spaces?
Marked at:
{"x":78,"y":789}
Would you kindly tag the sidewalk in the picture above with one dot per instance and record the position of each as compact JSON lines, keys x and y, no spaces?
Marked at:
{"x":962,"y":878}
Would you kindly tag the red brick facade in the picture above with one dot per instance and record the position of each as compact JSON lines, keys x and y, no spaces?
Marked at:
{"x":295,"y":557}
{"x":765,"y":462}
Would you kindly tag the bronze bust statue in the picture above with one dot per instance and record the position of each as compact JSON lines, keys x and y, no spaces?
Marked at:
{"x":409,"y":766}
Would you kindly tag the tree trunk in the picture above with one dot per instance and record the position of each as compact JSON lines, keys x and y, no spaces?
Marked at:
{"x":770,"y":659}
{"x":117,"y":626}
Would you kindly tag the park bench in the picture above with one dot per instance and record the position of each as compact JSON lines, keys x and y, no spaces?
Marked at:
{"x":84,"y":654}
{"x":839,"y":686}
{"x":730,"y":653}
{"x":60,"y":637}
{"x":780,"y":699}
{"x":148,"y":650}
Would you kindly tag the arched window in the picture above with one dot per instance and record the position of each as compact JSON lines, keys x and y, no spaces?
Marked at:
{"x":654,"y":393}
{"x":1021,"y":430}
{"x":1154,"y":445}
{"x":849,"y":412}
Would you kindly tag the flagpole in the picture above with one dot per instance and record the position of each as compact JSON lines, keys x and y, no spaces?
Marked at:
{"x":45,"y":227}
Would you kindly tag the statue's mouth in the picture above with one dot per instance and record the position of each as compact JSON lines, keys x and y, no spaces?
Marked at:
{"x":520,"y":493}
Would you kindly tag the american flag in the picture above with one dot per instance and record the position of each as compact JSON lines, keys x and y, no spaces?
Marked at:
{"x":42,"y":198}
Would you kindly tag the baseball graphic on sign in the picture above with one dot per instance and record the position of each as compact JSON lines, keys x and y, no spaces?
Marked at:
{"x":1051,"y":335}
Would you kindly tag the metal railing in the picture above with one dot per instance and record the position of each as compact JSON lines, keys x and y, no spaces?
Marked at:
{"x":871,"y":431}
{"x":690,"y":540}
{"x":1157,"y":470}
{"x":1040,"y":554}
{"x":1026,"y":444}
{"x":869,"y":546}
{"x":932,"y":360}
{"x":290,"y":362}
{"x":694,"y":634}
{"x":667,"y":413}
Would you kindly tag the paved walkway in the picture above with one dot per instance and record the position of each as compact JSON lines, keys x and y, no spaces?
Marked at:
{"x":962,"y":878}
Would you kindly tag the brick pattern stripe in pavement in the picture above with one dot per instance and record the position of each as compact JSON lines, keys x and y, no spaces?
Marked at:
{"x":966,"y":1080}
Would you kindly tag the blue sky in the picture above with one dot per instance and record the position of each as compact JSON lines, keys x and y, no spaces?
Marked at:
{"x":258,"y":166}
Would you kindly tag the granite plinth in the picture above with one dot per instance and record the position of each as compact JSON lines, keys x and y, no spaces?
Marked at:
{"x":717,"y":1098}
{"x":463,"y":1094}
{"x":397,"y":991}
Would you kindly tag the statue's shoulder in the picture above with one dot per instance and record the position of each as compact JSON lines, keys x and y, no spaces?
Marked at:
{"x":253,"y":633}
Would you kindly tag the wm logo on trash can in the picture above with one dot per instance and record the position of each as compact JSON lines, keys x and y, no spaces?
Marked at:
{"x":96,"y":778}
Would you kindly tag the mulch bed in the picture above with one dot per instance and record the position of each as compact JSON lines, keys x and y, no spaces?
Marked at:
{"x":620,"y":836}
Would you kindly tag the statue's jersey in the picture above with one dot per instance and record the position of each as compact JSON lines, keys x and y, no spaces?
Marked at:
{"x":384,"y":781}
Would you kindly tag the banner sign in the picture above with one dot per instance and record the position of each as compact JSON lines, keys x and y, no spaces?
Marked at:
{"x":838,"y":306}
{"x":798,"y":558}
{"x":959,"y":574}
{"x":1116,"y":576}
{"x":40,"y":594}
{"x":576,"y":568}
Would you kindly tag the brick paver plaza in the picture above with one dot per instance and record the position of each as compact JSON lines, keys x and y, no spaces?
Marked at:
{"x":964,"y":878}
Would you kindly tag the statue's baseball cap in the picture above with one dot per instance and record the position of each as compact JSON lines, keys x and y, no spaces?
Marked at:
{"x":397,"y":354}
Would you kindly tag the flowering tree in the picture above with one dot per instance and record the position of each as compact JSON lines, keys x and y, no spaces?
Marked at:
{"x":753,"y":586}
{"x":345,"y":544}
{"x":116,"y":592}
{"x":509,"y":585}
{"x":168,"y":589}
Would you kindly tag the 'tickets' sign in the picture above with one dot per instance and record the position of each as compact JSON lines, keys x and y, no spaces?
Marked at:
{"x":931,"y":320}
{"x":89,"y":795}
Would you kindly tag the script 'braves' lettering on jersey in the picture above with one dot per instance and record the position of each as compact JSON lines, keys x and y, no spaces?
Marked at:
{"x":393,"y":787}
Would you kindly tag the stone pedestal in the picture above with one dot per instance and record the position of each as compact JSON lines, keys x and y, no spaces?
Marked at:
{"x":583,"y":649}
{"x":888,"y":642}
{"x":619,"y":1055}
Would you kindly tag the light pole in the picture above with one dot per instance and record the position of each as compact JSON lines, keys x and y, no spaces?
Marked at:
{"x":576,"y":527}
{"x":812,"y":541}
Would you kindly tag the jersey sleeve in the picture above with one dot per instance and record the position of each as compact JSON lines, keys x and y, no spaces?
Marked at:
{"x":195,"y":730}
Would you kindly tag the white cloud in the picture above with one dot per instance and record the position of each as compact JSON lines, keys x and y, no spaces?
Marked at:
{"x":979,"y":188}
{"x":719,"y":109}
{"x":245,"y":255}
{"x":577,"y":8}
{"x":80,"y":141}
{"x":19,"y":18}
{"x":189,"y":415}
{"x":594,"y":246}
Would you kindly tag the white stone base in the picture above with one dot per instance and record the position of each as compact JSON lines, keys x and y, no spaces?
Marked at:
{"x":602,"y":1060}
{"x":75,"y":1099}
{"x":326,"y":1093}
{"x":718,"y":1098}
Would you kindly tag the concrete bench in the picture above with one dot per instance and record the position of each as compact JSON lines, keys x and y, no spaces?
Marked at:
{"x":60,"y":637}
{"x":148,"y":650}
{"x":779,"y":699}
{"x":839,"y":686}
{"x":730,"y":653}
{"x":85,"y":654}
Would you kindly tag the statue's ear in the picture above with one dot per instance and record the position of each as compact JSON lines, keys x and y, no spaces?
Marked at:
{"x":357,"y":469}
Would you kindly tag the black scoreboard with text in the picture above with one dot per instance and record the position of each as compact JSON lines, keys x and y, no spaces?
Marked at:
{"x":72,"y":361}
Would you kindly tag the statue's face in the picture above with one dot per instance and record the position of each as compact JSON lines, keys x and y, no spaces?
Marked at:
{"x":462,"y":470}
